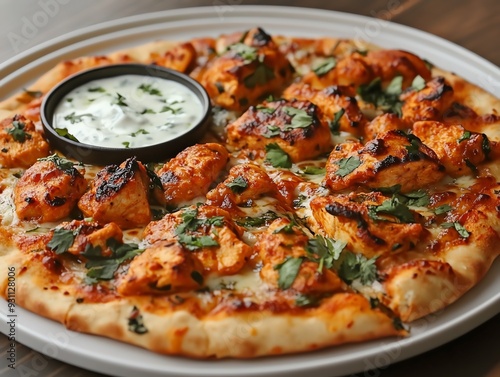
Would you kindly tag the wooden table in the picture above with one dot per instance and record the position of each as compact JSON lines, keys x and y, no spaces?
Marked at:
{"x":471,"y":24}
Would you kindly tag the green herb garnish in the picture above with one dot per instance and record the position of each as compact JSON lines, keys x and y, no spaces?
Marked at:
{"x":277,"y":157}
{"x":326,"y":66}
{"x":63,"y":132}
{"x":18,"y":132}
{"x":347,"y":165}
{"x":288,"y":271}
{"x":237,"y":185}
{"x":148,"y":88}
{"x":73,"y":118}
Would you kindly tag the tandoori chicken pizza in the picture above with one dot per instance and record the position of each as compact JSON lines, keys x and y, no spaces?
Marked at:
{"x":341,"y":192}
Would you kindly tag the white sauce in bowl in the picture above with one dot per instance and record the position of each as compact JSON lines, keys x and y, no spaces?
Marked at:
{"x":128,"y":111}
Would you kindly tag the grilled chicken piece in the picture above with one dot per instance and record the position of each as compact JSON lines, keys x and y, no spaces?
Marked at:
{"x":298,"y":127}
{"x":245,"y":183}
{"x":430,"y":103}
{"x":190,"y":174}
{"x":246,"y":72}
{"x":49,"y":190}
{"x":163,"y":268}
{"x":357,"y":69}
{"x":119,"y":194}
{"x":209,"y":232}
{"x":181,"y":58}
{"x":20,"y":143}
{"x":361,"y":221}
{"x":91,"y":234}
{"x":458,"y":149}
{"x":282,"y":240}
{"x":383,"y":123}
{"x":335,"y":102}
{"x":393,"y":158}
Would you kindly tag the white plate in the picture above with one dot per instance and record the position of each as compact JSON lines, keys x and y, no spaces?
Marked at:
{"x":108,"y":356}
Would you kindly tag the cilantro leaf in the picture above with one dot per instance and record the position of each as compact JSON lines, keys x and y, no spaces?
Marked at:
{"x":306,"y":300}
{"x":313,"y":170}
{"x":387,"y":100}
{"x":464,"y":233}
{"x":247,"y":53}
{"x":192,"y":242}
{"x":260,"y":76}
{"x":61,"y":163}
{"x":325,"y":66}
{"x":98,"y":89}
{"x":442,"y":209}
{"x":61,"y":240}
{"x":418,"y":83}
{"x":64,"y":133}
{"x":465,"y":136}
{"x":105,"y":268}
{"x":254,"y":222}
{"x":300,"y":118}
{"x":277,"y":157}
{"x":357,"y":266}
{"x":335,"y":123}
{"x":148,"y":88}
{"x":392,"y":207}
{"x":418,"y":198}
{"x":119,"y":100}
{"x":136,"y":323}
{"x":288,"y":271}
{"x":18,"y":132}
{"x":288,"y":229}
{"x":73,"y":118}
{"x":325,"y":251}
{"x":347,"y":165}
{"x":272,"y":131}
{"x":238,"y":185}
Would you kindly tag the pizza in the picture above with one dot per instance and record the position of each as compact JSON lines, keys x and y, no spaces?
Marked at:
{"x":342,"y":192}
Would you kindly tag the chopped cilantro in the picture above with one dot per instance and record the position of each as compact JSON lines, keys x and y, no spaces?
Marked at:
{"x":392,"y":207}
{"x":61,"y":240}
{"x":306,"y":300}
{"x":464,"y":233}
{"x":126,"y":144}
{"x":465,"y":136}
{"x":288,"y":271}
{"x":253,"y":222}
{"x":18,"y":132}
{"x":325,"y":66}
{"x":98,"y":89}
{"x":300,"y":118}
{"x":277,"y":157}
{"x":61,"y":163}
{"x":335,"y":123}
{"x":120,"y":100}
{"x":313,"y":170}
{"x":418,"y":83}
{"x":148,"y":111}
{"x":136,"y":323}
{"x":73,"y":118}
{"x":33,"y":93}
{"x":442,"y":209}
{"x":148,"y":88}
{"x":357,"y":266}
{"x":272,"y":131}
{"x":387,"y":100}
{"x":325,"y":251}
{"x":171,"y":109}
{"x":104,"y":268}
{"x":288,"y":229}
{"x":260,"y":76}
{"x":247,"y":53}
{"x":238,"y":185}
{"x":347,"y":165}
{"x":264,"y":109}
{"x":64,"y":133}
{"x":141,"y":131}
{"x":192,"y":242}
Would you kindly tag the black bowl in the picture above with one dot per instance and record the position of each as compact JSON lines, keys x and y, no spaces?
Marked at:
{"x":98,"y":155}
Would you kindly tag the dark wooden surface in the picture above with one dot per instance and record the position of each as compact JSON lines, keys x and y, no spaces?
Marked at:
{"x":471,"y":24}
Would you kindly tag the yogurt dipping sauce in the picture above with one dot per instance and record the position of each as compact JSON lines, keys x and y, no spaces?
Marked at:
{"x":127,"y":111}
